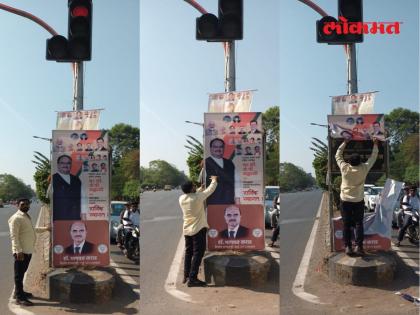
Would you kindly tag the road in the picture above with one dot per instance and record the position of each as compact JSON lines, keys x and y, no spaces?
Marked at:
{"x":127,"y":285}
{"x":298,"y":212}
{"x":161,"y":228}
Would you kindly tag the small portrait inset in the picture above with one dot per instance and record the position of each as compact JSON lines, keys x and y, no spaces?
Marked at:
{"x":377,"y":129}
{"x":236,"y":119}
{"x":83,"y":136}
{"x":234,"y":228}
{"x":94,"y":168}
{"x":242,"y":131}
{"x":350,"y":121}
{"x":359,"y":121}
{"x":257,"y":151}
{"x":248,"y":151}
{"x":211,"y":129}
{"x":232,"y":130}
{"x":100,"y":146}
{"x":88,"y":147}
{"x":238,"y":149}
{"x":80,"y":246}
{"x":254,"y":127}
{"x":103,"y":167}
{"x":74,"y":136}
{"x":227,"y":119}
{"x":79,"y":147}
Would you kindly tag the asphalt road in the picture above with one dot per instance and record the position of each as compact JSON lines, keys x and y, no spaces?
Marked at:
{"x":6,"y":259}
{"x":298,"y":211}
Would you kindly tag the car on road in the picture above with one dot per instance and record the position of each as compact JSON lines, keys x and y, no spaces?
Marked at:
{"x":269,"y":193}
{"x":371,"y":197}
{"x":167,"y":187}
{"x":114,"y":218}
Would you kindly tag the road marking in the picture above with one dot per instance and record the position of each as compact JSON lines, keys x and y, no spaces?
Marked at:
{"x":163,"y":218}
{"x":407,"y":259}
{"x":298,"y":286}
{"x":128,"y":279}
{"x":170,"y":283}
{"x":289,"y":221}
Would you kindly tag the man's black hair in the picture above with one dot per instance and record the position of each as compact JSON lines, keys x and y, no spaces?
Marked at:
{"x":23,"y":200}
{"x":354,"y":159}
{"x":62,"y":156}
{"x":216,"y":139}
{"x":187,"y":187}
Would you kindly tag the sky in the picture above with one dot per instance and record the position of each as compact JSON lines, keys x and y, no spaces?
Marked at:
{"x":310,"y":72}
{"x":177,"y":72}
{"x":32,"y":89}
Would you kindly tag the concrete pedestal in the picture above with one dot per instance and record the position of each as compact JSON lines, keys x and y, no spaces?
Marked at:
{"x":80,"y":286}
{"x":244,"y":269}
{"x":373,"y":269}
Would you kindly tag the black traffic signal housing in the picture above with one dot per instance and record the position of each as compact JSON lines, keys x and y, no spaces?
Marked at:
{"x":78,"y":45}
{"x":226,"y":27}
{"x":352,"y":11}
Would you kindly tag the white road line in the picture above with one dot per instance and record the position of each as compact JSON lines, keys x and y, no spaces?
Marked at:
{"x":407,"y":259}
{"x":298,"y":287}
{"x":170,"y":283}
{"x":163,"y":218}
{"x":127,"y":278}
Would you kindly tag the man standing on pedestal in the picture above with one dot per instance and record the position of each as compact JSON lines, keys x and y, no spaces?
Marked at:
{"x":353,"y":176}
{"x":194,"y":228}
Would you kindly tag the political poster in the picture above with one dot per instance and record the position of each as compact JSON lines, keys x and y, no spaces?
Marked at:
{"x":378,"y":225}
{"x":230,"y":102}
{"x":354,"y":104}
{"x":357,"y":127}
{"x":80,"y":181}
{"x":234,"y":151}
{"x":78,"y":120}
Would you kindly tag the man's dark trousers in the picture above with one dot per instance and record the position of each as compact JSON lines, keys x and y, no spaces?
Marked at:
{"x":20,"y":268}
{"x":352,"y":214}
{"x":195,"y":246}
{"x":407,"y":222}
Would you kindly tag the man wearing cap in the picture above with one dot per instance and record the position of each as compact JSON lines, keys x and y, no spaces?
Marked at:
{"x":353,"y":177}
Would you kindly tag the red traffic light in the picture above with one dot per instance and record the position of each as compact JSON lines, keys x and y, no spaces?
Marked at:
{"x":80,"y":11}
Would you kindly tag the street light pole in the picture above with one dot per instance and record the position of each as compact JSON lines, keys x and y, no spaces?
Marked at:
{"x":351,"y":69}
{"x":78,"y":86}
{"x":230,"y":70}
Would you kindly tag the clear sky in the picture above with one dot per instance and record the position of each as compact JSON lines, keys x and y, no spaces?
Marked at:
{"x":32,"y":89}
{"x":311,"y":72}
{"x":177,"y":72}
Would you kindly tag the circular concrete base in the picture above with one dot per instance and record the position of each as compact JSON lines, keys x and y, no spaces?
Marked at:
{"x":370,"y":270}
{"x":80,"y":286}
{"x":236,"y":270}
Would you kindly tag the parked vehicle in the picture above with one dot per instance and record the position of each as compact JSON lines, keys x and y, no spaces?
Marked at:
{"x":412,"y":232}
{"x":270,"y":193}
{"x":167,"y":187}
{"x":114,"y":218}
{"x":371,"y":198}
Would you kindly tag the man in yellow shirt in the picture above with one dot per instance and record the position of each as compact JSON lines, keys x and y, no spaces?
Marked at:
{"x":353,"y":176}
{"x":22,"y":235}
{"x":194,"y":228}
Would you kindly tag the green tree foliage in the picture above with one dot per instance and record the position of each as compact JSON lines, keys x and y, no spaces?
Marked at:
{"x":400,"y":123}
{"x":195,"y":157}
{"x":125,"y":182}
{"x":123,"y":138}
{"x":41,"y":176}
{"x":131,"y":190}
{"x":271,"y":124}
{"x":293,"y":177}
{"x":12,"y":188}
{"x":161,"y":173}
{"x":320,"y":162}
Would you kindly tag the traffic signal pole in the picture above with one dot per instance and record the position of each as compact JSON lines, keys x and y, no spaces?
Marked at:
{"x":351,"y":69}
{"x":78,"y":86}
{"x":230,"y":70}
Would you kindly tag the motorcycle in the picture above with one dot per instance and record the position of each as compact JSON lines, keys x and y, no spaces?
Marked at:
{"x":131,"y":242}
{"x":412,"y":232}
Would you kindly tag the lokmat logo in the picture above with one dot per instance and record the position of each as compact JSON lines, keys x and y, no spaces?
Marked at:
{"x":343,"y":26}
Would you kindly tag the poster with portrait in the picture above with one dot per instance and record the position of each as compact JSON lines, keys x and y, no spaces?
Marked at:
{"x":230,"y":102}
{"x":234,"y":152}
{"x":80,"y":178}
{"x":357,"y":127}
{"x":78,"y":120}
{"x":80,"y":243}
{"x":354,"y":104}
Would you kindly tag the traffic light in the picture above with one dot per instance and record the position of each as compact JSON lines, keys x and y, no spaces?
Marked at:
{"x":349,"y":12}
{"x":226,"y":27}
{"x":352,"y":10}
{"x":80,"y":30}
{"x":78,"y":46}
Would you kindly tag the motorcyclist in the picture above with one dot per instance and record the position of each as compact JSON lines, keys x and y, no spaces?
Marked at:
{"x":131,"y":217}
{"x":121,"y":226}
{"x":275,"y":220}
{"x":410,"y":201}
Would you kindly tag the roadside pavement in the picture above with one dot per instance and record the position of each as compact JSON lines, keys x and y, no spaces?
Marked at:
{"x":350,"y":299}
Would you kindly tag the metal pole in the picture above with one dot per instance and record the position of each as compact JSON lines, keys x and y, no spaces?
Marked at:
{"x":351,"y":69}
{"x":78,"y":86}
{"x":230,"y":76}
{"x":330,"y":192}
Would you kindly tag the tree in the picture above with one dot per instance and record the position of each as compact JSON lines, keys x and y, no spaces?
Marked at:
{"x":293,"y":177}
{"x":195,"y":157}
{"x":123,"y":138}
{"x":12,"y":188}
{"x":320,"y":162}
{"x":42,"y":176}
{"x":400,"y":123}
{"x":271,"y":124}
{"x":161,"y":173}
